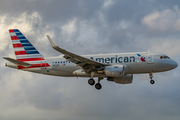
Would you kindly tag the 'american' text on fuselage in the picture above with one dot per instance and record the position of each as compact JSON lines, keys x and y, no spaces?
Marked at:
{"x":115,"y":59}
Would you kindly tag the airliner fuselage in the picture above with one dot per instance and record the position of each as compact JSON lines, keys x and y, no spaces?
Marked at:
{"x":58,"y":66}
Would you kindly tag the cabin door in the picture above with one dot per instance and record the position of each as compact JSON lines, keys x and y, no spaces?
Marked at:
{"x":149,"y":58}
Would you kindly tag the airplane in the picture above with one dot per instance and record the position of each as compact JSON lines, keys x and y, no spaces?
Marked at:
{"x":116,"y":67}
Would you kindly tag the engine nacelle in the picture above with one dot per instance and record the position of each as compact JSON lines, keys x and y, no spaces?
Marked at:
{"x":115,"y":70}
{"x":126,"y":79}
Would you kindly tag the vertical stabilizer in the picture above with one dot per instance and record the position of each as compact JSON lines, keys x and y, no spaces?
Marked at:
{"x":24,"y":50}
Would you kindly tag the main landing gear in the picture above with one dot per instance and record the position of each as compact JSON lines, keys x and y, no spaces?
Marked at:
{"x":151,"y":76}
{"x":98,"y":85}
{"x":91,"y":81}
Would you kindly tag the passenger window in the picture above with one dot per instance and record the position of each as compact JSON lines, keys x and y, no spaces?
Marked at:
{"x":161,"y":57}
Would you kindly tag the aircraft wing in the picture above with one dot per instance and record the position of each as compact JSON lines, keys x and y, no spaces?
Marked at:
{"x":78,"y":60}
{"x":17,"y":62}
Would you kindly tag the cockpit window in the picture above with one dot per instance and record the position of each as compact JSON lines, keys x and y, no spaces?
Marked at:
{"x":167,"y":57}
{"x":164,"y":57}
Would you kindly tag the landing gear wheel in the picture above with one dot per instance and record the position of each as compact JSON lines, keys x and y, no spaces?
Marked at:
{"x":152,"y":81}
{"x":91,"y":81}
{"x":98,"y":86}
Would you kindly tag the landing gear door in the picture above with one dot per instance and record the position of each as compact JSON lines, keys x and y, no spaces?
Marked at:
{"x":149,"y":58}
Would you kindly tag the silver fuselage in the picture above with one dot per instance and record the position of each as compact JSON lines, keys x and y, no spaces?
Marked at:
{"x":152,"y":63}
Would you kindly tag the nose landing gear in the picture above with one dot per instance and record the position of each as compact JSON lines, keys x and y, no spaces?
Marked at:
{"x":151,"y":76}
{"x":152,"y":81}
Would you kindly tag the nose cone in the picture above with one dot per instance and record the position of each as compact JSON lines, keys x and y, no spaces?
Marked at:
{"x":174,"y":64}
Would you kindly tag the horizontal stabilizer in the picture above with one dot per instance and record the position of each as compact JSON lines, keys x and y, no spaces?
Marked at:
{"x":17,"y":62}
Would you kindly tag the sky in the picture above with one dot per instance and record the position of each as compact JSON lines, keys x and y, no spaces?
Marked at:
{"x":90,"y":27}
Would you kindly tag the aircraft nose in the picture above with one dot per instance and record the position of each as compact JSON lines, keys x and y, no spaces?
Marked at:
{"x":174,"y":64}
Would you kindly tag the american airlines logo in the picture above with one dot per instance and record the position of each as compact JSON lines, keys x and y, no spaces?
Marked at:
{"x":117,"y":59}
{"x":141,"y":58}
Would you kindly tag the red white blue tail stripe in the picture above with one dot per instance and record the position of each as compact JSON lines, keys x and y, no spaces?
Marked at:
{"x":23,"y":49}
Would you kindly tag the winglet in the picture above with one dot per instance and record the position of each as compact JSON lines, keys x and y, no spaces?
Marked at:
{"x":17,"y":62}
{"x":53,"y":44}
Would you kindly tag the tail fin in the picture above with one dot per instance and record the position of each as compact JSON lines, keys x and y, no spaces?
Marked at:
{"x":23,"y":49}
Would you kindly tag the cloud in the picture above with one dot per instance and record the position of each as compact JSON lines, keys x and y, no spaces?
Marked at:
{"x":165,"y":20}
{"x":107,"y":3}
{"x":31,"y":25}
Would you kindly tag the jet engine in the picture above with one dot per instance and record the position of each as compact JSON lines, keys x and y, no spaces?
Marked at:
{"x":126,"y":79}
{"x":116,"y":70}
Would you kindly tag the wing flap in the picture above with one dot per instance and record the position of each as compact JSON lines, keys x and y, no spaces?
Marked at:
{"x":17,"y":62}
